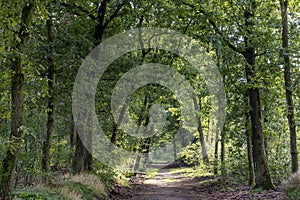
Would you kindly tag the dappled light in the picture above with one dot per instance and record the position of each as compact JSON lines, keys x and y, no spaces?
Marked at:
{"x":158,"y":100}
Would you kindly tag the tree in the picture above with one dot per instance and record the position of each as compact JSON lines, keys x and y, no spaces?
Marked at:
{"x":262,"y":174}
{"x":200,"y":131}
{"x":15,"y":63}
{"x":240,"y":36}
{"x":45,"y":163}
{"x":288,"y":85}
{"x":102,"y":19}
{"x":248,"y":51}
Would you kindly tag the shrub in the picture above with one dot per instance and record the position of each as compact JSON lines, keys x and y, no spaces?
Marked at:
{"x":91,"y":181}
{"x":291,"y":186}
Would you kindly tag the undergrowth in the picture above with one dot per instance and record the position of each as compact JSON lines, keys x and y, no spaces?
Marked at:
{"x":78,"y":187}
{"x":37,"y":193}
{"x":291,"y":186}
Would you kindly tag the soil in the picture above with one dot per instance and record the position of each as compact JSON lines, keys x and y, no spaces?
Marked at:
{"x":169,"y":186}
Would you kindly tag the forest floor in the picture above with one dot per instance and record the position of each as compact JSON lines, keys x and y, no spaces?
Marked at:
{"x":166,"y":185}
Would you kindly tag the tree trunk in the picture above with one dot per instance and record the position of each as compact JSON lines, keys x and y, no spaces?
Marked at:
{"x":216,"y":155}
{"x":223,"y":167}
{"x":99,"y":28}
{"x":183,"y":141}
{"x":45,"y":162}
{"x":137,"y":163}
{"x":140,"y":121}
{"x":78,"y":159}
{"x":83,"y":158}
{"x":223,"y":137}
{"x":113,"y":138}
{"x":86,"y":152}
{"x":15,"y":63}
{"x":88,"y":145}
{"x":174,"y":150}
{"x":288,"y":89}
{"x":88,"y":158}
{"x":262,"y":174}
{"x":249,"y":151}
{"x":72,"y":132}
{"x":147,"y":145}
{"x":200,"y":131}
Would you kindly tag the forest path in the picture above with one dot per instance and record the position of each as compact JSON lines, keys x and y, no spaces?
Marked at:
{"x":168,"y":186}
{"x":175,"y":186}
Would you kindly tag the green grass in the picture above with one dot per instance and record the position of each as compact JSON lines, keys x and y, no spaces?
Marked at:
{"x":151,"y":173}
{"x":79,"y":188}
{"x":37,"y":194}
{"x":85,"y":187}
{"x":294,"y":195}
{"x":152,"y":170}
{"x":192,"y":172}
{"x":44,"y":193}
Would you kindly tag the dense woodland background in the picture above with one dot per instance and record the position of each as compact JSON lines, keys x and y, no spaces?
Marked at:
{"x":254,"y":43}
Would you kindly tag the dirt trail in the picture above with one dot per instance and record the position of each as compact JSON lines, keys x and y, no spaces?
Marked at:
{"x":170,"y":186}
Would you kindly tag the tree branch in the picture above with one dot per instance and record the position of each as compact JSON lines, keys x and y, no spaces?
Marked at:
{"x":115,"y":14}
{"x":78,"y":10}
{"x":215,"y":27}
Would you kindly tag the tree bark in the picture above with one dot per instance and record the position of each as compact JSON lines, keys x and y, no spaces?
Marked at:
{"x":99,"y":29}
{"x":223,"y":167}
{"x":249,"y":151}
{"x":113,"y":138}
{"x":200,"y":131}
{"x":82,"y":158}
{"x":216,"y":157}
{"x":15,"y":63}
{"x":72,"y":132}
{"x":45,"y":162}
{"x":78,"y":159}
{"x":262,"y":174}
{"x":88,"y":145}
{"x":88,"y":159}
{"x":288,"y":89}
{"x":140,"y":121}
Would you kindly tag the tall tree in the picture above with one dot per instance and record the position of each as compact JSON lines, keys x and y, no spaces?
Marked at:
{"x":200,"y":131}
{"x":262,"y":174}
{"x":106,"y":13}
{"x":288,"y":85}
{"x":15,"y":63}
{"x":45,"y":163}
{"x":249,"y":52}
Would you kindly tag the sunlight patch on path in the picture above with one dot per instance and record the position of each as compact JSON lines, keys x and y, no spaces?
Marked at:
{"x":165,"y":178}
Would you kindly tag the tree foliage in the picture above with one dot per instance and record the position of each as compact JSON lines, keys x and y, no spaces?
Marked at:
{"x":43,"y":45}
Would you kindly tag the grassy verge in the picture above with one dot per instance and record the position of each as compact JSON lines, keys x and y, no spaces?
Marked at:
{"x":191,"y":172}
{"x":79,"y":187}
{"x":38,"y":193}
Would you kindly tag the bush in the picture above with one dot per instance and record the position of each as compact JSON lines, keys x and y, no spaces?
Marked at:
{"x":83,"y":186}
{"x":91,"y":181}
{"x":291,"y":186}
